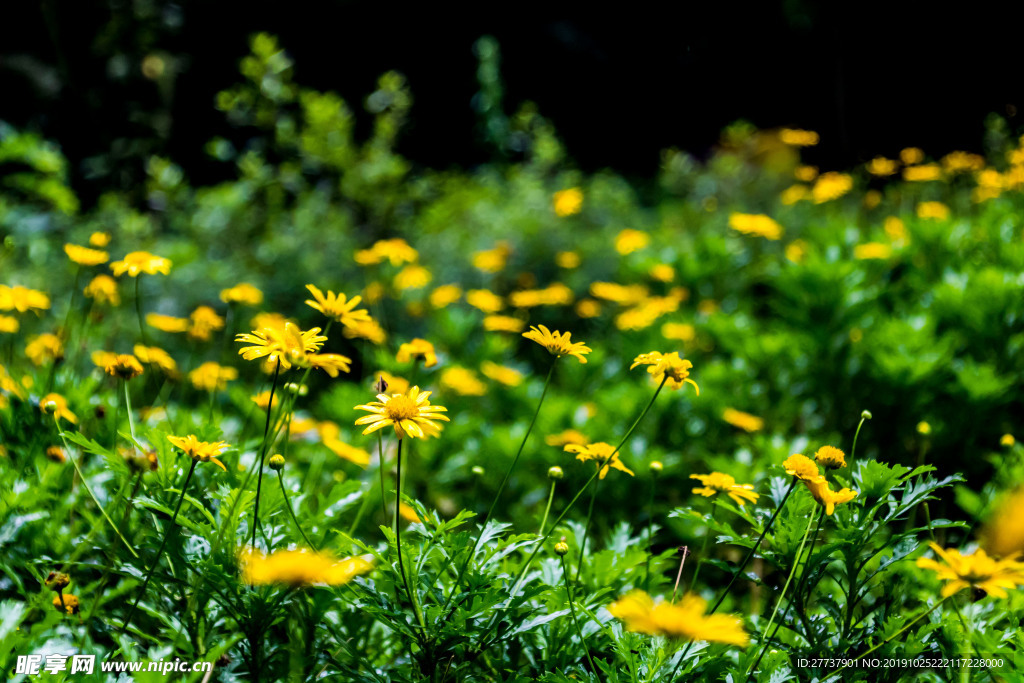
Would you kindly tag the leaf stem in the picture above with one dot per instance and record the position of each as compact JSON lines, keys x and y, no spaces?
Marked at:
{"x":263,"y":453}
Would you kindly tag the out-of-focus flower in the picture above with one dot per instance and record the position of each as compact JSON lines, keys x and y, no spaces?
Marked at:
{"x":504,"y":323}
{"x":99,"y":239}
{"x":794,"y":193}
{"x":103,"y":290}
{"x":831,"y":186}
{"x":369,"y":330}
{"x":212,"y":376}
{"x":484,"y":300}
{"x":124,"y":365}
{"x":662,"y":272}
{"x":567,"y":259}
{"x":936,"y":210}
{"x":1003,"y":534}
{"x":569,"y":436}
{"x":299,"y":568}
{"x":975,"y":571}
{"x":629,"y":240}
{"x":872,"y":198}
{"x":796,"y":251}
{"x":555,"y":294}
{"x":625,"y":295}
{"x":242,"y":293}
{"x":805,"y":174}
{"x":57,"y":405}
{"x":463,"y":382}
{"x":741,"y":420}
{"x":1007,"y":440}
{"x":683,"y":332}
{"x":923,"y":173}
{"x":396,"y":250}
{"x":393,"y":383}
{"x":911,"y":155}
{"x":139,"y":262}
{"x":588,"y":308}
{"x":685,"y":621}
{"x":9,"y":324}
{"x":444,"y":295}
{"x":795,"y":137}
{"x":66,"y":603}
{"x":22,"y":299}
{"x":717,"y":482}
{"x":330,"y":435}
{"x":84,"y":256}
{"x":167,"y":323}
{"x":44,"y":348}
{"x":923,"y":428}
{"x":492,"y":260}
{"x":558,"y":343}
{"x":56,"y":454}
{"x":757,"y":225}
{"x":895,"y":229}
{"x":959,"y":162}
{"x":152,"y":355}
{"x":872,"y":250}
{"x":510,"y":377}
{"x":602,"y":455}
{"x":412,"y":277}
{"x":203,"y":322}
{"x":417,"y":349}
{"x":568,"y":202}
{"x":882,"y":167}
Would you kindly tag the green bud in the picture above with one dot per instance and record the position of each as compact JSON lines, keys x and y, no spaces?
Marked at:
{"x":656,"y":467}
{"x":561,"y":548}
{"x":555,"y":473}
{"x":865,"y":415}
{"x":277,"y":462}
{"x":477,"y":470}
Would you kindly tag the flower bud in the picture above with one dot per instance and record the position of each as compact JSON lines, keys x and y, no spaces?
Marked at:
{"x":656,"y":467}
{"x":66,"y":603}
{"x":294,"y":388}
{"x":277,"y":462}
{"x":477,"y":470}
{"x":924,"y":428}
{"x":865,"y":414}
{"x":56,"y":581}
{"x":555,"y":473}
{"x":561,"y":548}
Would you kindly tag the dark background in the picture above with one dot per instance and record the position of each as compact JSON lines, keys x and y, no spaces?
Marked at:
{"x":619,"y":82}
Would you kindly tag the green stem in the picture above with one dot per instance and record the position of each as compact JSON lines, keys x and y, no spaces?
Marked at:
{"x":586,"y":529}
{"x":288,"y":506}
{"x":128,"y":409}
{"x":544,"y":519}
{"x":160,"y":551}
{"x":853,"y":449}
{"x":138,"y":310}
{"x":92,"y":495}
{"x":380,"y":470}
{"x":703,"y":550}
{"x":572,"y":610}
{"x":263,"y":452}
{"x":398,"y":543}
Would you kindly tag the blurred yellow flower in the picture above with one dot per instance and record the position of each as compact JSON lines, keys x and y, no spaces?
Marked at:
{"x":412,"y":277}
{"x":212,"y":376}
{"x":99,"y":239}
{"x":138,"y":262}
{"x":408,"y":513}
{"x":568,"y":202}
{"x":56,"y":454}
{"x":602,"y":455}
{"x":744,"y":421}
{"x":262,"y":400}
{"x":103,"y":289}
{"x":629,"y":240}
{"x":796,"y":251}
{"x":201,"y":451}
{"x":504,"y":323}
{"x":872,"y":250}
{"x":824,"y":494}
{"x":444,"y":295}
{"x":924,"y":428}
{"x":396,"y":250}
{"x":242,"y":293}
{"x":717,"y":482}
{"x":624,"y":295}
{"x":958,"y":162}
{"x":668,"y":367}
{"x":167,"y":323}
{"x":410,"y":414}
{"x":67,"y":603}
{"x":936,"y":210}
{"x":57,"y":405}
{"x":830,"y":457}
{"x":417,"y":349}
{"x":805,"y":174}
{"x":395,"y":384}
{"x":977,"y":570}
{"x":338,"y":307}
{"x":330,"y":435}
{"x":558,"y":343}
{"x":567,"y":259}
{"x":510,"y":377}
{"x":463,"y":382}
{"x":798,"y":138}
{"x":792,"y":194}
{"x":923,"y":173}
{"x":1007,"y":440}
{"x":152,"y":355}
{"x":555,"y":294}
{"x":882,"y":167}
{"x":8,"y":324}
{"x":662,"y":272}
{"x":685,"y":621}
{"x":102,"y":359}
{"x":492,"y":260}
{"x":911,"y":155}
{"x":369,"y":330}
{"x":895,"y":229}
{"x":588,"y":308}
{"x":757,"y":225}
{"x":124,"y":365}
{"x":203,"y":322}
{"x":374,"y":292}
{"x":484,"y":300}
{"x":683,"y":332}
{"x":1003,"y":534}
{"x":22,"y":299}
{"x":801,"y":467}
{"x":84,"y":256}
{"x":831,"y":186}
{"x":44,"y":348}
{"x":872,"y":198}
{"x":569,"y":436}
{"x":298,"y":568}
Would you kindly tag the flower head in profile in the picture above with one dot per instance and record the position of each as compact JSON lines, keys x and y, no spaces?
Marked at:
{"x":138,"y":262}
{"x":330,"y":435}
{"x":630,"y":240}
{"x":99,"y":239}
{"x":410,"y":414}
{"x":510,"y":377}
{"x":298,"y":568}
{"x":801,"y":467}
{"x":124,"y":365}
{"x":44,"y":348}
{"x":977,"y":570}
{"x":84,"y":256}
{"x":66,"y":603}
{"x":756,"y":225}
{"x":57,"y":405}
{"x":338,"y":307}
{"x":492,"y":260}
{"x":830,"y":457}
{"x":202,"y":451}
{"x":396,"y":250}
{"x":9,"y":324}
{"x":504,"y":323}
{"x":558,"y":343}
{"x":485,"y":300}
{"x":417,"y":349}
{"x":716,"y":483}
{"x":369,"y":330}
{"x":103,"y":290}
{"x":203,"y":322}
{"x":823,"y":493}
{"x":154,"y":355}
{"x":685,"y":621}
{"x":22,"y":299}
{"x":567,"y":437}
{"x":605,"y":455}
{"x":291,"y":346}
{"x":167,"y":323}
{"x":242,"y":293}
{"x":668,"y":367}
{"x":463,"y":382}
{"x":212,"y":376}
{"x":445,"y":295}
{"x":1003,"y":534}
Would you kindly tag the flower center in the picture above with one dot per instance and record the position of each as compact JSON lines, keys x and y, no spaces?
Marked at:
{"x":401,"y":407}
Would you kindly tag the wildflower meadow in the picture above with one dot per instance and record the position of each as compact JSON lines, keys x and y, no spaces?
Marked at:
{"x":345,"y":417}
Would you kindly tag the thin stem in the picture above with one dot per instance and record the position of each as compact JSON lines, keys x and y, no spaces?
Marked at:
{"x":263,"y":452}
{"x":160,"y":551}
{"x":288,"y":506}
{"x":138,"y":310}
{"x":650,"y":534}
{"x":853,"y":449}
{"x":398,"y":543}
{"x":703,"y":550}
{"x":586,"y":530}
{"x":544,"y":519}
{"x":572,"y":610}
{"x":380,"y":470}
{"x":128,"y":409}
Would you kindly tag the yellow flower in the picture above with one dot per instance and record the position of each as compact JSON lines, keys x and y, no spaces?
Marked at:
{"x":957,"y":162}
{"x":44,"y":348}
{"x":57,"y":405}
{"x":679,"y":331}
{"x":895,"y":229}
{"x":395,"y":384}
{"x":923,"y":428}
{"x":936,"y":210}
{"x":330,"y":434}
{"x":70,"y":604}
{"x":569,"y":436}
{"x":922,"y":173}
{"x":872,"y":198}
{"x":830,"y":457}
{"x":56,"y":454}
{"x":297,"y":568}
{"x":338,"y":307}
{"x":685,"y":621}
{"x":203,"y":451}
{"x":662,"y":272}
{"x":411,"y":414}
{"x":396,"y":250}
{"x":882,"y":167}
{"x":568,"y":202}
{"x":84,"y":256}
{"x":444,"y":295}
{"x":1007,"y":440}
{"x":558,"y":343}
{"x":103,"y":289}
{"x":417,"y":349}
{"x":801,"y":467}
{"x":499,"y":373}
{"x":629,"y":240}
{"x":624,"y":295}
{"x":911,"y":155}
{"x":212,"y":376}
{"x":408,"y":513}
{"x":99,"y":239}
{"x":796,"y":251}
{"x":153,"y":355}
{"x":504,"y":323}
{"x":262,"y":400}
{"x":976,"y":571}
{"x":567,"y":260}
{"x":823,"y":493}
{"x":124,"y":365}
{"x":805,"y":174}
{"x":8,"y":385}
{"x":273,"y":320}
{"x":242,"y":293}
{"x":588,"y":308}
{"x":463,"y":382}
{"x":22,"y":299}
{"x":831,"y":186}
{"x":8,"y":324}
{"x":290,"y":345}
{"x":492,"y":260}
{"x":412,"y":277}
{"x":757,"y":225}
{"x":102,"y":359}
{"x":555,"y":294}
{"x":1003,"y":534}
{"x":792,"y":194}
{"x":369,"y":330}
{"x":798,"y":138}
{"x":138,"y":262}
{"x":872,"y":250}
{"x":668,"y":367}
{"x":741,"y":420}
{"x":203,"y":321}
{"x":600,"y":452}
{"x":167,"y":323}
{"x":716,"y":482}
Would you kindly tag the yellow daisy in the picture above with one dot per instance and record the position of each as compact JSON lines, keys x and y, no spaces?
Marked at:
{"x":203,"y":451}
{"x":138,"y":262}
{"x":685,"y":621}
{"x":411,"y":414}
{"x":717,"y":482}
{"x":299,"y":568}
{"x":338,"y":307}
{"x":668,"y":367}
{"x":600,"y":452}
{"x":977,"y":571}
{"x":557,"y":343}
